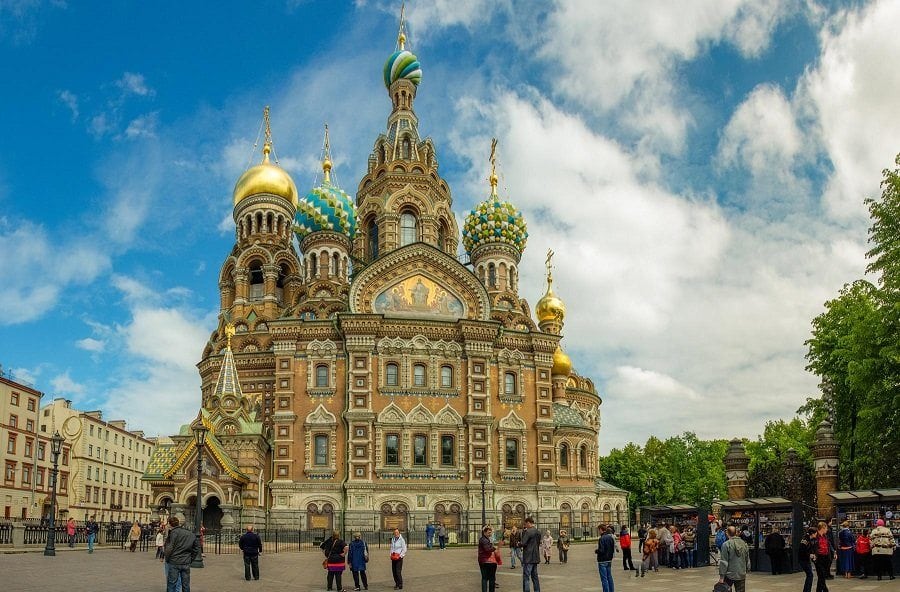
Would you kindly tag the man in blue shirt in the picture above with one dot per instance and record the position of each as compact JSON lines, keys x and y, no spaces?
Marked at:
{"x":606,"y":549}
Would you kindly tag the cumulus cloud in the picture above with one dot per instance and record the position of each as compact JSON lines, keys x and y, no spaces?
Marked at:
{"x":134,"y":84}
{"x":143,"y":126}
{"x":64,"y":385}
{"x":90,"y":344}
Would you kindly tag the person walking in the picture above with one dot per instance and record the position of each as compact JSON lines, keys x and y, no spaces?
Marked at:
{"x":398,"y":552}
{"x":805,"y":556}
{"x":883,"y":545}
{"x":625,"y":545}
{"x":91,"y":528}
{"x":442,"y":535}
{"x":642,"y":536}
{"x":546,"y":546}
{"x":487,"y":560}
{"x":251,"y":545}
{"x":70,"y":531}
{"x":429,"y":535}
{"x":846,"y":550}
{"x":357,"y":557}
{"x":863,"y":551}
{"x":649,"y":557}
{"x":562,"y":545}
{"x":606,"y":549}
{"x":531,"y":556}
{"x":734,"y":562}
{"x":823,"y":549}
{"x":182,"y":548}
{"x":515,"y":546}
{"x":134,"y":535}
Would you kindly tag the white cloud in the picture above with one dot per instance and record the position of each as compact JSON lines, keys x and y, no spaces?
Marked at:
{"x":852,"y":92}
{"x":70,"y":100}
{"x":90,"y":344}
{"x":64,"y":385}
{"x":134,"y":84}
{"x":143,"y":126}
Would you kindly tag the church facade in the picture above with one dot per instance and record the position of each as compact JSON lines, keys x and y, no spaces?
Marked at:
{"x":362,"y":368}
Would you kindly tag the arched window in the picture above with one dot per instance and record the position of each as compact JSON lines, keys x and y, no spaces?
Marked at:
{"x":257,"y":282}
{"x":321,"y":375}
{"x":582,"y":457}
{"x":392,"y":449}
{"x":391,"y":375}
{"x":446,"y":376}
{"x":419,"y":375}
{"x":564,"y":455}
{"x":321,"y":450}
{"x":509,"y":383}
{"x":406,"y":149}
{"x":313,"y":266}
{"x":372,"y":235}
{"x":492,"y":275}
{"x":447,"y":450}
{"x":409,"y":232}
{"x":420,"y":446}
{"x":442,"y":236}
{"x":335,"y":265}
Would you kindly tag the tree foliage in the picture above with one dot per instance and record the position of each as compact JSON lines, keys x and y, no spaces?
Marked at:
{"x":680,"y":469}
{"x":855,"y":350}
{"x":768,"y":453}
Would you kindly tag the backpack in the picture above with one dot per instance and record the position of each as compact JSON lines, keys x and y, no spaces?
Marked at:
{"x":721,"y":537}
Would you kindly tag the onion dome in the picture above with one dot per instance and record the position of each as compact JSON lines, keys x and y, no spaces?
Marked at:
{"x":326,"y":207}
{"x":562,"y":364}
{"x":494,"y":221}
{"x":550,"y":307}
{"x":266,"y":177}
{"x":402,"y":63}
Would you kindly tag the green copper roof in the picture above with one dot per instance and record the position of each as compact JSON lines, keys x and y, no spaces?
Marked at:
{"x":565,"y":416}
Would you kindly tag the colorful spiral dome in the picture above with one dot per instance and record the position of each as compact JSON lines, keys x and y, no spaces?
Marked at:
{"x":402,"y":64}
{"x":494,"y":221}
{"x":327,"y":207}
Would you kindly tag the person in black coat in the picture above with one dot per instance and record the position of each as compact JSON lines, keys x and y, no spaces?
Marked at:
{"x":531,"y":556}
{"x":805,"y":556}
{"x":774,"y":545}
{"x":251,"y":545}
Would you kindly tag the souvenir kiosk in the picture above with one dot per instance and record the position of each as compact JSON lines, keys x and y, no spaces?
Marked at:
{"x":759,"y":516}
{"x":862,"y":508}
{"x":682,"y":516}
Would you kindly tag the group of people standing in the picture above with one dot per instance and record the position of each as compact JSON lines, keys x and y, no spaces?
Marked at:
{"x":339,"y":554}
{"x":871,"y":552}
{"x":666,"y":545}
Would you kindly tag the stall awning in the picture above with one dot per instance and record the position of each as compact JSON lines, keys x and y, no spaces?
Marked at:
{"x":866,"y":495}
{"x":755,"y":502}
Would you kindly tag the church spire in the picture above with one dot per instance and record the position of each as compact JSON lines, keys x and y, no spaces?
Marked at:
{"x":228,"y":384}
{"x":326,"y":159}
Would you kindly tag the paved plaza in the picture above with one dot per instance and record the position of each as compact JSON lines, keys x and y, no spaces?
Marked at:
{"x":452,"y":570}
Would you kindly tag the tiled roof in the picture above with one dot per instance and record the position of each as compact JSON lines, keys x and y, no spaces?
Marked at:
{"x":563,"y":415}
{"x":163,"y":457}
{"x":604,"y":486}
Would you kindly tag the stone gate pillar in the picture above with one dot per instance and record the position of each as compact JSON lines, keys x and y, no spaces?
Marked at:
{"x":825,"y":456}
{"x":737,"y":464}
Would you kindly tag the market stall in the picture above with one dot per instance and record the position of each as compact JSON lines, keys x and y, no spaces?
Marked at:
{"x":759,"y":517}
{"x":682,"y":516}
{"x":862,"y":508}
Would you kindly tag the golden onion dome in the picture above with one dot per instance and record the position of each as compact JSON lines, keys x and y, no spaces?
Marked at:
{"x":266,"y":178}
{"x":562,"y":364}
{"x":550,"y":307}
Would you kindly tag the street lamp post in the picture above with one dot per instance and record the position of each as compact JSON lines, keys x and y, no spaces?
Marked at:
{"x":200,"y":433}
{"x":56,"y":443}
{"x":483,"y":506}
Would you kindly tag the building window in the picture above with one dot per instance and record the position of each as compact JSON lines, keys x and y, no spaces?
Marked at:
{"x":446,"y":376}
{"x":257,"y":281}
{"x":373,"y":240}
{"x":408,"y":229}
{"x":14,"y":399}
{"x":420,"y":443}
{"x":11,"y":444}
{"x":28,"y":447}
{"x":492,"y":275}
{"x":313,"y":266}
{"x":31,"y":404}
{"x":509,"y":383}
{"x":29,"y":425}
{"x":321,"y":450}
{"x":564,"y":456}
{"x":10,"y":474}
{"x":419,"y":375}
{"x":447,"y":456}
{"x":26,"y":475}
{"x":391,"y":375}
{"x":321,"y":375}
{"x":392,"y":449}
{"x":92,"y":429}
{"x":13,"y":421}
{"x":512,"y":453}
{"x":63,"y":481}
{"x":582,"y":458}
{"x":41,"y":449}
{"x":39,"y":478}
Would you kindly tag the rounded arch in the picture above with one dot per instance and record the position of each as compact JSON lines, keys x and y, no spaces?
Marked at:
{"x":209,"y":486}
{"x":254,"y":252}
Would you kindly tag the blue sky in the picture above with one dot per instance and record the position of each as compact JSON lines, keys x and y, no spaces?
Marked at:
{"x":699,"y":170}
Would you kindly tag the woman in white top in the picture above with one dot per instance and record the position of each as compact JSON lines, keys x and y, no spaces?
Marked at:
{"x":398,"y":552}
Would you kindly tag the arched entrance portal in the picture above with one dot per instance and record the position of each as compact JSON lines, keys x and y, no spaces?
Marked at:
{"x":212,"y":514}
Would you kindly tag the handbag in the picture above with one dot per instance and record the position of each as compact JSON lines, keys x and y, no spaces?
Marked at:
{"x":395,"y":556}
{"x":721,"y":587}
{"x":498,"y":558}
{"x":325,"y":561}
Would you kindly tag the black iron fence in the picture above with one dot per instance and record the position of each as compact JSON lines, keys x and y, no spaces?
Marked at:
{"x":5,"y":533}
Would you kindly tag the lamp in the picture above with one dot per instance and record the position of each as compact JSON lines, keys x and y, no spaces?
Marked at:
{"x":200,"y":432}
{"x":56,"y":443}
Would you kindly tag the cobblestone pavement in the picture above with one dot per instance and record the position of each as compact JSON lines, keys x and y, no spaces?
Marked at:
{"x":452,"y":570}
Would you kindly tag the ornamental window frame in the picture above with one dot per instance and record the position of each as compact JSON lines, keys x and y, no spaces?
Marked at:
{"x":409,"y":227}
